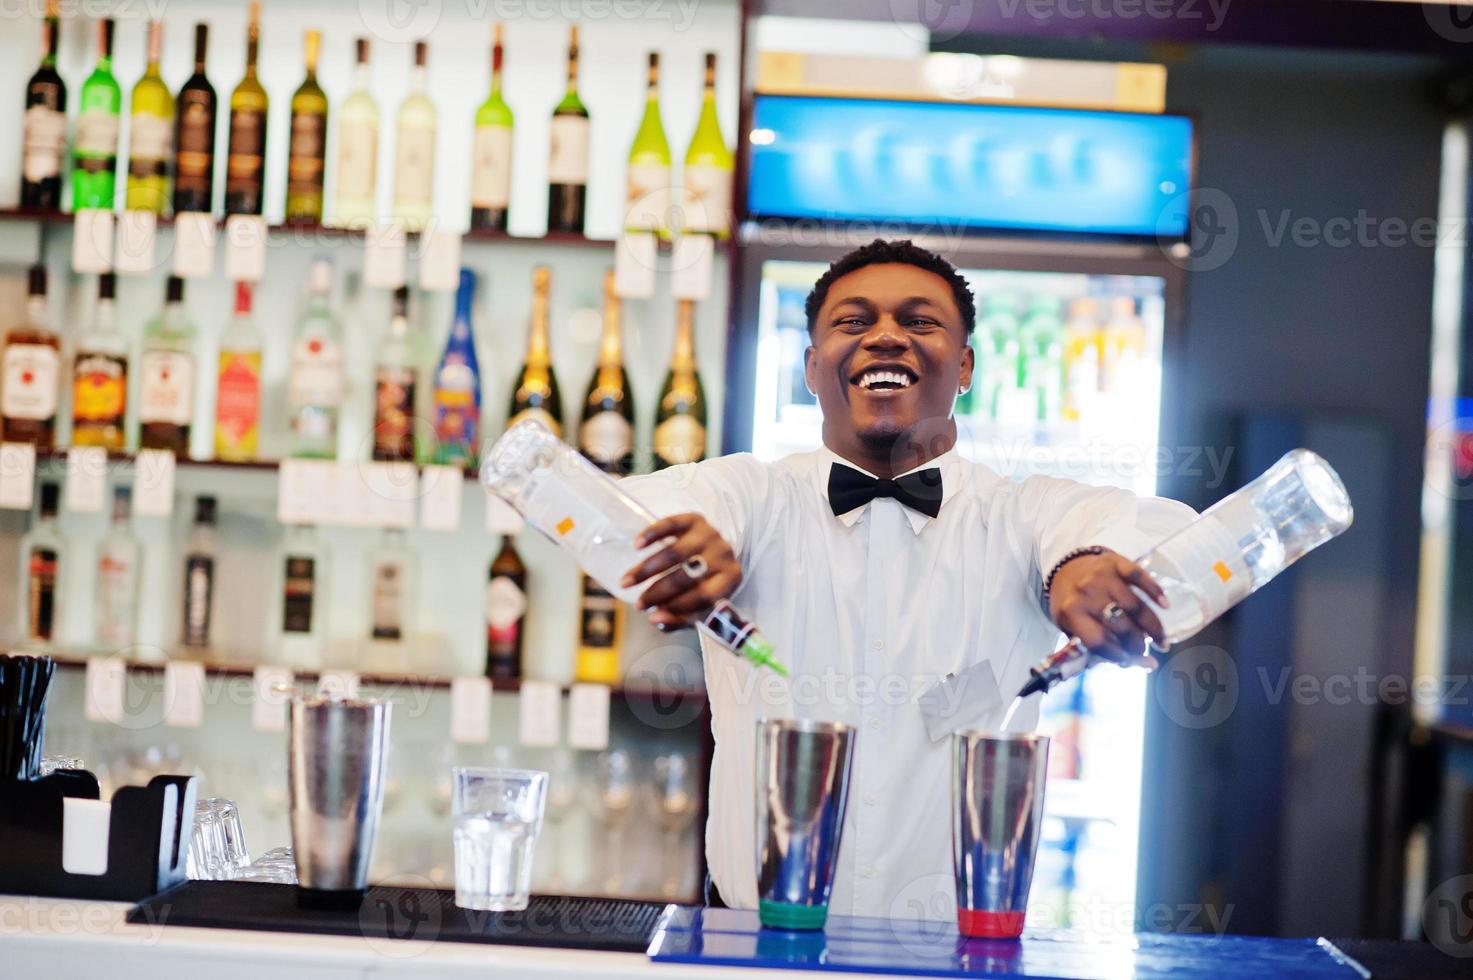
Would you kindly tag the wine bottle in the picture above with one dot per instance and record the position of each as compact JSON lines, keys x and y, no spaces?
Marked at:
{"x":42,"y":555}
{"x":647,"y":199}
{"x":414,"y":150}
{"x":44,"y":144}
{"x":166,"y":370}
{"x":458,"y":385}
{"x":304,"y":167}
{"x":606,"y":435}
{"x":31,"y":371}
{"x":357,"y":172}
{"x":506,"y":610}
{"x":95,"y":155}
{"x":100,"y":376}
{"x":491,"y":157}
{"x":567,"y":158}
{"x":394,"y":388}
{"x":151,"y":133}
{"x":238,"y":385}
{"x":199,"y":577}
{"x":705,"y":189}
{"x":315,"y":384}
{"x":194,"y":136}
{"x":245,"y":161}
{"x":537,"y":393}
{"x":680,"y":421}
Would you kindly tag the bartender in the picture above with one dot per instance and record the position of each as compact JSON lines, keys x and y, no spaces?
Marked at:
{"x":880,"y":564}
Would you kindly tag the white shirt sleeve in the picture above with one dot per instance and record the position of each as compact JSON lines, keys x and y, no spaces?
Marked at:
{"x":728,"y":491}
{"x":1068,"y":515}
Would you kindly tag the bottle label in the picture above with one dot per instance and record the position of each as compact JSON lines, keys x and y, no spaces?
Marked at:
{"x":1208,"y":560}
{"x":317,"y":373}
{"x":30,"y":382}
{"x":457,"y":409}
{"x":599,"y":628}
{"x":491,"y":167}
{"x":567,"y":161}
{"x":541,"y":415}
{"x":194,"y":164}
{"x":388,"y":599}
{"x":97,"y":140}
{"x":607,"y":438}
{"x":393,"y":413}
{"x":238,"y":396}
{"x":100,"y":389}
{"x":45,"y":141}
{"x":148,"y":145}
{"x":304,"y":162}
{"x":647,"y":199}
{"x":705,"y":199}
{"x":414,"y":164}
{"x":680,"y":439}
{"x":167,"y":387}
{"x":357,"y":160}
{"x":116,"y":598}
{"x":506,"y":604}
{"x":247,"y":152}
{"x":199,"y":588}
{"x":41,"y":594}
{"x":301,"y":584}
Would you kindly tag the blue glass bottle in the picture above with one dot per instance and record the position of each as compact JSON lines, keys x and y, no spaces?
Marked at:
{"x":458,"y":385}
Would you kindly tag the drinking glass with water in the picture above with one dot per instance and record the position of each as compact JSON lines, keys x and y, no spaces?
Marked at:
{"x":498,"y":815}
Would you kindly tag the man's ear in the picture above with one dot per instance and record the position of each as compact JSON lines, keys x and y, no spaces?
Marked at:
{"x":808,"y":371}
{"x":969,"y":363}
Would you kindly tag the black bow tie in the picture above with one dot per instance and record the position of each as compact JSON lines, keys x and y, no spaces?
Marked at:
{"x":849,"y":489}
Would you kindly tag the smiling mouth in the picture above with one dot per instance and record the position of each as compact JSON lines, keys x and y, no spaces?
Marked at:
{"x":884,"y":379}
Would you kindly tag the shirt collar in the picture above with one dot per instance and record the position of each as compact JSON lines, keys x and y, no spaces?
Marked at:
{"x":948,"y":462}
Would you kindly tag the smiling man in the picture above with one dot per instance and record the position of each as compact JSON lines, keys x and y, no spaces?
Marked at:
{"x":880,"y":564}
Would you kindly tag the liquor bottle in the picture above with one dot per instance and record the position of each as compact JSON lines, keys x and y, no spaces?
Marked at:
{"x":491,"y":156}
{"x":680,"y":421}
{"x":458,"y":385}
{"x":42,"y":553}
{"x":1082,"y":337}
{"x":100,"y":376}
{"x":238,"y":385}
{"x":567,"y":159}
{"x":303,"y":597}
{"x":245,"y":160}
{"x":506,"y":609}
{"x":194,"y":136}
{"x":119,"y":567}
{"x":391,"y":578}
{"x":200,"y":553}
{"x":151,"y":133}
{"x":316,"y":381}
{"x":166,"y":376}
{"x":1041,"y":367}
{"x":414,"y":150}
{"x":394,"y":388}
{"x":537,"y":393}
{"x":304,"y":167}
{"x":705,"y":187}
{"x":95,"y":154}
{"x":606,"y":433}
{"x":647,"y":200}
{"x":357,"y":172}
{"x":44,"y":144}
{"x":31,"y":372}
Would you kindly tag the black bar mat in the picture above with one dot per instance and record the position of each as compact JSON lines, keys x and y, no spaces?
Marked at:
{"x":419,"y":914}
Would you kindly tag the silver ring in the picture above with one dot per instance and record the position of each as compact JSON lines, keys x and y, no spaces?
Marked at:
{"x":1113,"y":613}
{"x":696,"y":567}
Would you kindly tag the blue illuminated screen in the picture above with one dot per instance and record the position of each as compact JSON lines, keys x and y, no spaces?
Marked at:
{"x":973,"y":166}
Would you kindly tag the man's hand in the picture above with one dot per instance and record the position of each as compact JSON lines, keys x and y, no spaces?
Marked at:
{"x":678,"y":597}
{"x":1087,"y":589}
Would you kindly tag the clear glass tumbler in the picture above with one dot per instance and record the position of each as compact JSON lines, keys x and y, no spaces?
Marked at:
{"x":498,"y":815}
{"x":217,"y":848}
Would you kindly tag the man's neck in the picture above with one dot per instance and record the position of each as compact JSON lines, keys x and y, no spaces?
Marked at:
{"x":888,"y":458}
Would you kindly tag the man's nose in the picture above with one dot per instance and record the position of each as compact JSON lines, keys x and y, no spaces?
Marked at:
{"x":886,"y":334}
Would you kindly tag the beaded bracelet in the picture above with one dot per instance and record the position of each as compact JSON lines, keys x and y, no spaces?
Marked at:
{"x":1048,"y":583}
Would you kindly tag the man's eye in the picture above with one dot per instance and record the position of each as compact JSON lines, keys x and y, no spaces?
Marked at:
{"x":921,"y":321}
{"x":850,"y":321}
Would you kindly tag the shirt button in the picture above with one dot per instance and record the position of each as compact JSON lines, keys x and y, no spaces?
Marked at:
{"x":870,"y":800}
{"x":875,"y":724}
{"x":867,"y":871}
{"x":878,"y":645}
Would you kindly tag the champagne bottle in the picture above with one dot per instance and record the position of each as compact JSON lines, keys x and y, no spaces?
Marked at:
{"x":357,"y":172}
{"x":491,"y":158}
{"x":567,"y":159}
{"x":95,"y":157}
{"x":705,"y":190}
{"x":194,"y":136}
{"x":680,"y":422}
{"x":245,"y":162}
{"x":458,"y":385}
{"x":414,"y":150}
{"x":304,"y":168}
{"x":31,"y":372}
{"x":44,"y":144}
{"x":647,"y":199}
{"x":506,"y":611}
{"x":537,"y":393}
{"x":606,"y":435}
{"x":151,"y":133}
{"x":100,"y":376}
{"x":394,"y":387}
{"x":238,"y":385}
{"x":166,"y":370}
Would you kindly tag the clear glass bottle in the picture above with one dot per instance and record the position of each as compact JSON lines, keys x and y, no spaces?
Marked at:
{"x":198,"y":594}
{"x":118,"y":571}
{"x":238,"y":385}
{"x":392,"y":581}
{"x":357,"y":170}
{"x":316,"y":383}
{"x":150,"y":133}
{"x":414,"y":150}
{"x":303,"y":591}
{"x":42,"y":556}
{"x":167,"y":376}
{"x":100,"y":376}
{"x":30,"y":367}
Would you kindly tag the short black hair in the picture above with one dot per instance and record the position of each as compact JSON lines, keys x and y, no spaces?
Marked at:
{"x":904,"y":252}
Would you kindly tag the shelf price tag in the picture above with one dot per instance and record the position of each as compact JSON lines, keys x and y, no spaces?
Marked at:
{"x":92,"y":240}
{"x":153,"y":487}
{"x":245,"y":247}
{"x":440,"y":491}
{"x":337,"y":684}
{"x":383,"y":256}
{"x":635,"y":265}
{"x":308,"y":492}
{"x":106,"y":679}
{"x":588,"y":717}
{"x":136,"y":233}
{"x":194,"y":245}
{"x":540,"y":706}
{"x":470,"y":710}
{"x":385,"y":494}
{"x":17,"y":475}
{"x":268,"y":708}
{"x":439,"y":259}
{"x":690,"y":267}
{"x":86,"y":479}
{"x":184,"y":694}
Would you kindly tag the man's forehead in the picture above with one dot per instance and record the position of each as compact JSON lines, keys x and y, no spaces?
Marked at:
{"x":889,"y":283}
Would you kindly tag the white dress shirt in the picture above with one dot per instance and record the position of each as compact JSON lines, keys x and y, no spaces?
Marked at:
{"x":868,"y":609}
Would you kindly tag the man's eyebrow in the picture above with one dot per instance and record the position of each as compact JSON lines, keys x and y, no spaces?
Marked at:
{"x":914,"y":301}
{"x":863,"y":301}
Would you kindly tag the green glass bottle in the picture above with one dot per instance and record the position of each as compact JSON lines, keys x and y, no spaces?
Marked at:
{"x":705,"y":191}
{"x":567,"y":158}
{"x":647,"y":197}
{"x":151,"y":133}
{"x":491,"y":156}
{"x":95,"y":157}
{"x":304,"y":168}
{"x":245,"y":164}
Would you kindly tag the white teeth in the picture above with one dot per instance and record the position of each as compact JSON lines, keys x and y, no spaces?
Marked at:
{"x":872,"y":378}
